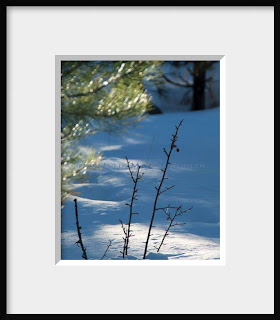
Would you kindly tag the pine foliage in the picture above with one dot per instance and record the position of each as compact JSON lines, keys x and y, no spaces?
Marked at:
{"x":99,"y":96}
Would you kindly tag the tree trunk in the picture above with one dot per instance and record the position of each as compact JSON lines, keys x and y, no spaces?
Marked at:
{"x":198,"y":102}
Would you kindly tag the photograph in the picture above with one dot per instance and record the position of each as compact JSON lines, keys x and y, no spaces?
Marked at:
{"x":140,"y":160}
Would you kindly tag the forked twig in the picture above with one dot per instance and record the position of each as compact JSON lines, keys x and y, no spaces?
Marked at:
{"x":177,"y":213}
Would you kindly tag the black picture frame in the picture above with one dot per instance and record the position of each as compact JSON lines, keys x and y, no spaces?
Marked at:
{"x":3,"y":21}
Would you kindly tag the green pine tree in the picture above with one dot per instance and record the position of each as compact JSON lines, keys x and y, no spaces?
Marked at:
{"x":99,"y":96}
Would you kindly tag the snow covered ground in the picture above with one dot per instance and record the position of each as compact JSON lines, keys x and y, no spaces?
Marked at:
{"x":195,"y":170}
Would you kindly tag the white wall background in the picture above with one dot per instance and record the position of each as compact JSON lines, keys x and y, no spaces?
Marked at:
{"x":245,"y":36}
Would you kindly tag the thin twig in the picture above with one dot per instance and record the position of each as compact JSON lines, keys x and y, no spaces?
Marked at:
{"x":108,"y":246}
{"x":80,"y":241}
{"x":133,"y":197}
{"x":185,"y":85}
{"x":177,"y":213}
{"x":124,"y":239}
{"x":168,"y":155}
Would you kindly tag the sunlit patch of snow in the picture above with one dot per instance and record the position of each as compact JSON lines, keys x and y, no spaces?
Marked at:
{"x":102,"y":181}
{"x":101,"y":200}
{"x":109,"y":148}
{"x":113,"y":181}
{"x":80,"y":185}
{"x":98,"y":205}
{"x":156,"y":256}
{"x":177,"y":245}
{"x":69,"y":238}
{"x":133,"y":141}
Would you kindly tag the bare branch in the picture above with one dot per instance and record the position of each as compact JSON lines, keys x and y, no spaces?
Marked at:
{"x":167,"y":188}
{"x":185,"y":85}
{"x":168,"y":207}
{"x":168,"y":155}
{"x":80,"y":241}
{"x":108,"y":246}
{"x":129,"y":169}
{"x":177,"y":213}
{"x":124,"y":238}
{"x":135,"y":180}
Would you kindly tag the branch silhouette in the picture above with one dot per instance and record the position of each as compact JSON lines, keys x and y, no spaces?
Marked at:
{"x":159,"y":191}
{"x":177,"y":213}
{"x":108,"y":247}
{"x":80,"y":241}
{"x":124,"y":239}
{"x":133,"y":197}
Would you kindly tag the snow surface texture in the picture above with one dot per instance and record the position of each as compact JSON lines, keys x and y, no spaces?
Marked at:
{"x":195,"y":171}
